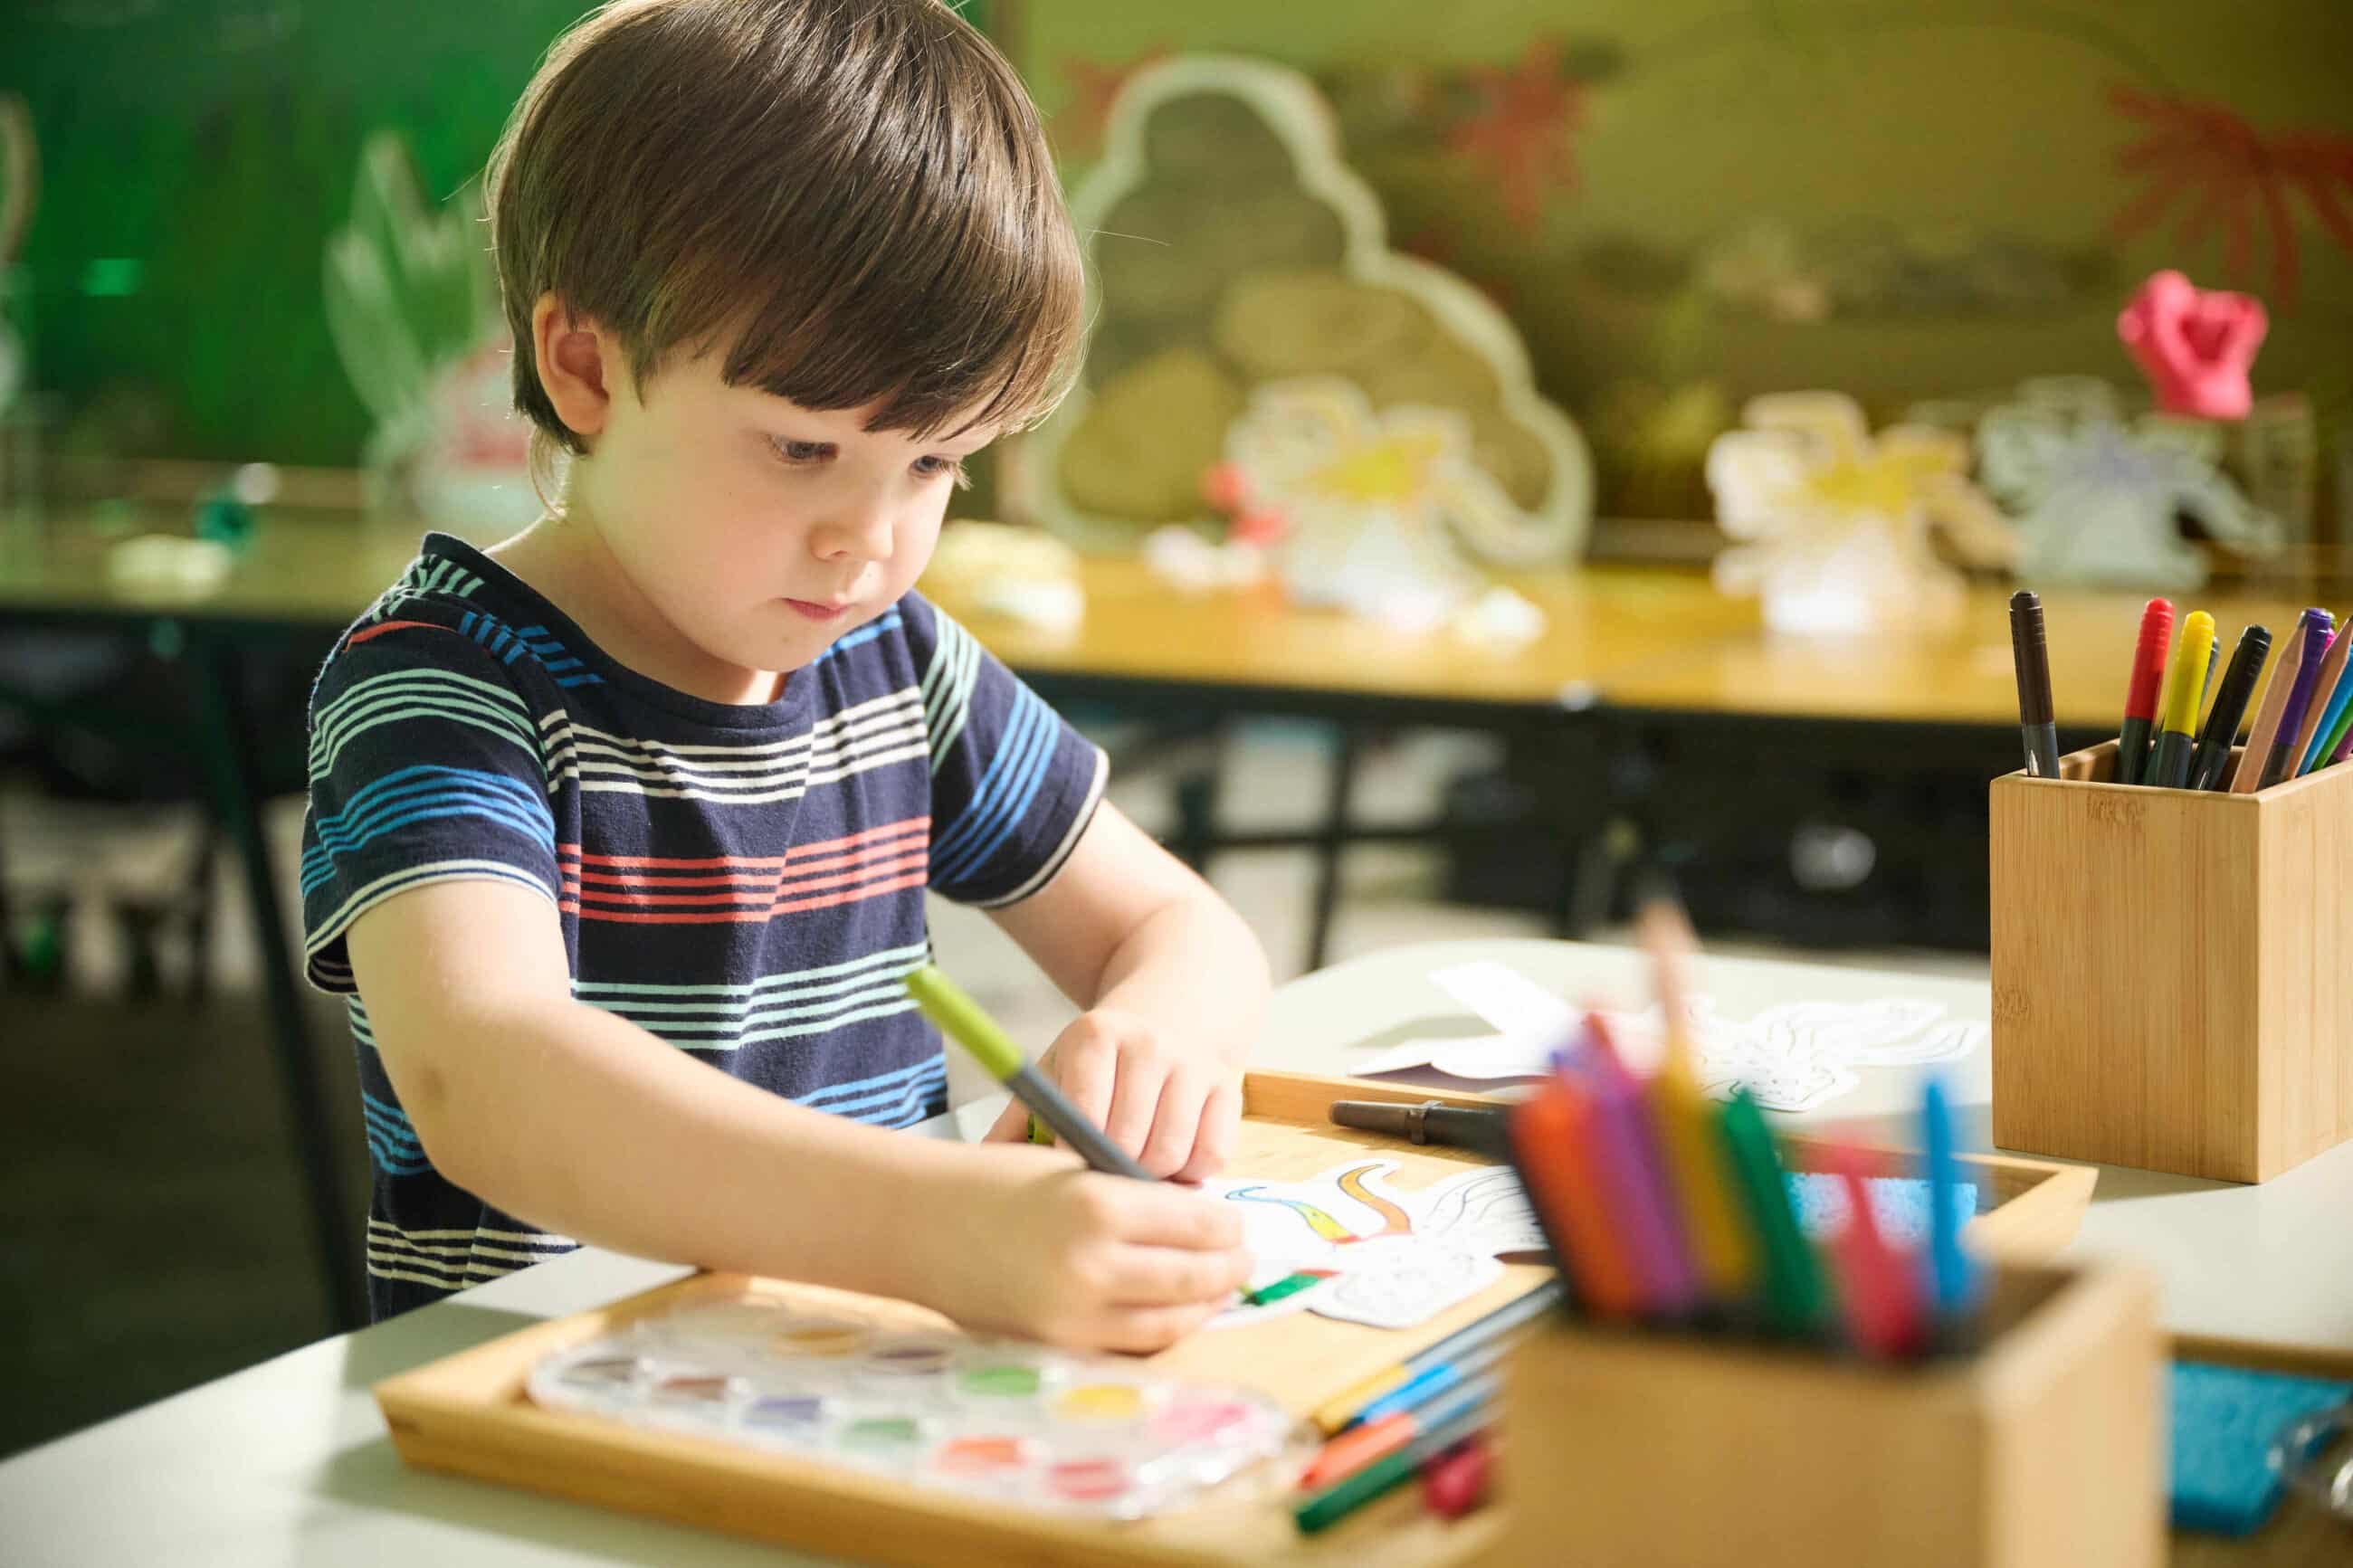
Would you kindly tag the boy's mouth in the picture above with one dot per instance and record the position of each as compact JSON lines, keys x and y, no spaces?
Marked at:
{"x":817,"y":610}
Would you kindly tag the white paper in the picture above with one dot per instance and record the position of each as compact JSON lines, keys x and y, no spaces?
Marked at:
{"x":1508,"y":1002}
{"x":1793,"y":1056}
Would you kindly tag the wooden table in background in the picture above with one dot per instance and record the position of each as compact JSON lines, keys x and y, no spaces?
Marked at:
{"x":1956,"y":675}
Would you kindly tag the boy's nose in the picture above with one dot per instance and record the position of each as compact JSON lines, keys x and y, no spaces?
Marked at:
{"x":862,"y":533}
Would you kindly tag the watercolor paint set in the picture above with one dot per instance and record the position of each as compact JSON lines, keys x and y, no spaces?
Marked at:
{"x":1004,"y":1420}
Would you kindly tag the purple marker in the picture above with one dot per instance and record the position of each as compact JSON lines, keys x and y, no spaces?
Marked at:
{"x":2283,"y":757}
{"x":1634,"y":1175}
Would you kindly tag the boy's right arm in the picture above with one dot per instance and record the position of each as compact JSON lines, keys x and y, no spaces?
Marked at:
{"x":579,"y":1121}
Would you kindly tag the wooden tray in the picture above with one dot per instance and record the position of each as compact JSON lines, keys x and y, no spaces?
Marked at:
{"x":2299,"y":1535}
{"x":468,"y":1413}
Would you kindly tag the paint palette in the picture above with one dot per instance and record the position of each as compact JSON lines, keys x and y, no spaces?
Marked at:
{"x":1006,"y":1420}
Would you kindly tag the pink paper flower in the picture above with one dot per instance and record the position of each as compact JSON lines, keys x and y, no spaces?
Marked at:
{"x":2195,"y":345}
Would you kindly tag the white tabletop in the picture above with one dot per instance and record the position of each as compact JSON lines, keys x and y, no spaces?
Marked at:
{"x":289,"y":1462}
{"x":2272,"y":1263}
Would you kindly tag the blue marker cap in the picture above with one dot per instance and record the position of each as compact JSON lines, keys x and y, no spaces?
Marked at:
{"x":1952,"y":1275}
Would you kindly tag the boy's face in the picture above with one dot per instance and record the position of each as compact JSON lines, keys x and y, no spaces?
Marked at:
{"x":759,"y":529}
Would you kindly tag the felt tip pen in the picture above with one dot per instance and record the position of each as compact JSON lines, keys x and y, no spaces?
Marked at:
{"x":1359,"y":1446}
{"x":1952,"y":1276}
{"x":1335,"y":1502}
{"x":1794,"y":1295}
{"x":955,"y":1015}
{"x":1429,"y":1121}
{"x":1474,"y":1338}
{"x":1880,"y":1296}
{"x":2222,"y":729}
{"x":2279,"y":675}
{"x":2282,"y":755}
{"x":2332,"y":667}
{"x":2168,"y":765}
{"x":2324,"y":719}
{"x":2140,"y":695}
{"x":2037,"y":723}
{"x":2332,"y":745}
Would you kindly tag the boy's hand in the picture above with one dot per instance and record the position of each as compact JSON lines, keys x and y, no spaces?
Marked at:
{"x":1175,"y":1113}
{"x":1035,"y":1244}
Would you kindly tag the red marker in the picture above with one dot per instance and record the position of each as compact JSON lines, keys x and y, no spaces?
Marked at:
{"x":1552,"y":1144}
{"x":2140,"y":697}
{"x":1456,"y":1481}
{"x":1878,"y":1284}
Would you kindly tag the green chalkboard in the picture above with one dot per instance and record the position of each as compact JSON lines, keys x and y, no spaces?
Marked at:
{"x":196,"y":154}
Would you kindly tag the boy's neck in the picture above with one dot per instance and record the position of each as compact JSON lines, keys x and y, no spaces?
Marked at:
{"x":566,"y":562}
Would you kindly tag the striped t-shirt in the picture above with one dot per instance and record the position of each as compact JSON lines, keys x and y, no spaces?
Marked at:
{"x":746,"y":882}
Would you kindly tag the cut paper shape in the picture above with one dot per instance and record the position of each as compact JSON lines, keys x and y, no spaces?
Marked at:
{"x":412,"y":306}
{"x":1509,"y":1001}
{"x":1837,"y":527}
{"x":2098,"y":500}
{"x":1233,"y":248}
{"x":1395,"y":1282}
{"x":1394,"y":1258}
{"x":1793,"y":1056}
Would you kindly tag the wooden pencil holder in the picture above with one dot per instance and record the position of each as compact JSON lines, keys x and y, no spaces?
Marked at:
{"x":2041,"y":1450}
{"x":2172,"y":971}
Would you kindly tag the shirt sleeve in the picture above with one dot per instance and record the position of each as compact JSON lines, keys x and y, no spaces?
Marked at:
{"x":1013,"y":785}
{"x":424,"y":766}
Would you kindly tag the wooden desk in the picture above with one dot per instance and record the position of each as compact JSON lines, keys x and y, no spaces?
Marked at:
{"x":296,"y":573}
{"x":315,"y":571}
{"x":1959,"y":675}
{"x":1600,"y":624}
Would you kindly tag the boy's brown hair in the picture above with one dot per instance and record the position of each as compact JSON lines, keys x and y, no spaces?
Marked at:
{"x":852,"y":198}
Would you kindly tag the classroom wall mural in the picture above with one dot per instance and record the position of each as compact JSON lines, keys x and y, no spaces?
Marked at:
{"x":1687,"y":203}
{"x":1259,"y":349}
{"x":1680,"y":205}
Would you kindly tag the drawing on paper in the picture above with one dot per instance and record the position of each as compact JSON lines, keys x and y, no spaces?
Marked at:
{"x":1393,"y":1258}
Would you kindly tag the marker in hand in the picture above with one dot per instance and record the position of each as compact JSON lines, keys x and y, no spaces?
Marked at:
{"x":961,"y":1019}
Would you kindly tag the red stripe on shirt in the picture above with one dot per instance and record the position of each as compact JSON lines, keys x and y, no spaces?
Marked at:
{"x":745,"y":862}
{"x":742,"y":917}
{"x":381,"y":627}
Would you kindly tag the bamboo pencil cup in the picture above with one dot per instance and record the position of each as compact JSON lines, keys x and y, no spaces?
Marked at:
{"x":2042,"y":1450}
{"x":2172,"y":971}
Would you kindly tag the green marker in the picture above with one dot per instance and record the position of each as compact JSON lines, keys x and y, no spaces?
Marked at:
{"x":1385,"y":1475}
{"x":1288,"y":1285}
{"x":1793,"y":1278}
{"x":961,"y":1019}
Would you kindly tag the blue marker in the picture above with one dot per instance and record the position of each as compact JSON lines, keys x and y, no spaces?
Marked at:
{"x":1419,"y":1389}
{"x":2326,"y":731}
{"x":1952,"y":1277}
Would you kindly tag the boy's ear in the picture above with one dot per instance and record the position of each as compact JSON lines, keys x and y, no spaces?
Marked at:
{"x":576,"y":360}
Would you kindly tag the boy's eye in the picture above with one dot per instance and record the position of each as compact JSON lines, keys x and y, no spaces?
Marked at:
{"x":937,"y":467}
{"x":802,"y":451}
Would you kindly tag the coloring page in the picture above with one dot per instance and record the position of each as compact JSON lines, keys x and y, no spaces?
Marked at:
{"x":1376,"y":1255}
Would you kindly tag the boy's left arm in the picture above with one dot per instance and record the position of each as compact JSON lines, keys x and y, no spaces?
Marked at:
{"x":1175,"y":987}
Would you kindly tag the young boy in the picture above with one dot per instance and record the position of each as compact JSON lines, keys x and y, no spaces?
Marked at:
{"x":620,"y":834}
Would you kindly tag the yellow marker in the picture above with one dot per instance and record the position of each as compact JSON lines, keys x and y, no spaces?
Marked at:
{"x":1722,"y":1246}
{"x":1340,"y":1409}
{"x":2185,"y":683}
